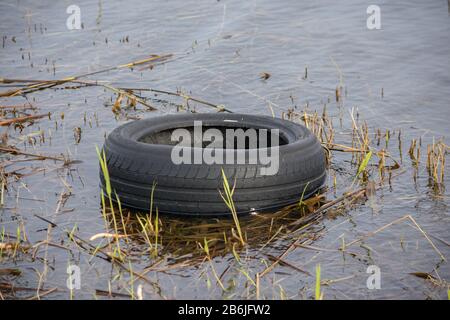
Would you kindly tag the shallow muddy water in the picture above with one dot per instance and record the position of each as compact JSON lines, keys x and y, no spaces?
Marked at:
{"x":397,"y":77}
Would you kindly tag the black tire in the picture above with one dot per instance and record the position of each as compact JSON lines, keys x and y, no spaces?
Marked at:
{"x":193,"y":189}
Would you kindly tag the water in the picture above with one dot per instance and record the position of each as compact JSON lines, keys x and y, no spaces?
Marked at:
{"x":221,"y":47}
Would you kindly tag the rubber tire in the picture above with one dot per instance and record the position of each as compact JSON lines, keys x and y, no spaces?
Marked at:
{"x":193,"y":189}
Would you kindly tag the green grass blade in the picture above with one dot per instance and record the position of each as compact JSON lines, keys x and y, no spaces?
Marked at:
{"x":228,"y":199}
{"x":319,"y":294}
{"x":364,"y":163}
{"x":300,"y":203}
{"x":104,"y":167}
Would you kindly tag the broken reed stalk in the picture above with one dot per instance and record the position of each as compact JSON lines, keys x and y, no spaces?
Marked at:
{"x":128,"y":92}
{"x":406,"y":217}
{"x":46,"y":84}
{"x":38,"y":156}
{"x":219,"y":107}
{"x":39,"y":85}
{"x":282,"y":256}
{"x":107,"y":257}
{"x":129,"y":95}
{"x":436,"y":163}
{"x":7,"y":122}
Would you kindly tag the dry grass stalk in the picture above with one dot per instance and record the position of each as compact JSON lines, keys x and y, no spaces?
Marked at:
{"x":7,"y":122}
{"x":406,"y":217}
{"x":436,"y":153}
{"x":46,"y":84}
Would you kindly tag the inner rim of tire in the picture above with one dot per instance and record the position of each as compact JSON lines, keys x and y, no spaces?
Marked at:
{"x":249,"y":139}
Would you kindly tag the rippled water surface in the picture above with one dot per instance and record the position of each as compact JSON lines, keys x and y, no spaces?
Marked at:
{"x":398,"y":78}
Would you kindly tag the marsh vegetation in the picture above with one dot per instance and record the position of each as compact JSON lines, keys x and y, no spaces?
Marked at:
{"x":384,"y":203}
